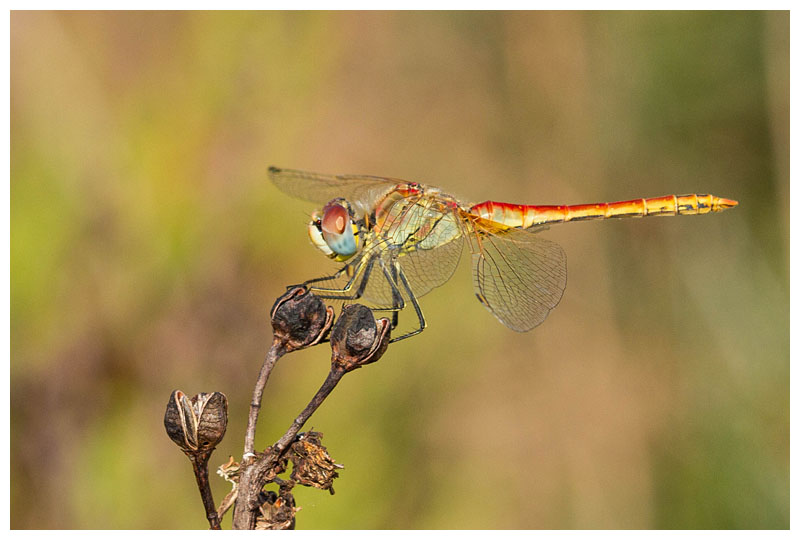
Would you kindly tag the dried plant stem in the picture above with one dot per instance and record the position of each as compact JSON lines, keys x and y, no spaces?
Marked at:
{"x":275,"y":352}
{"x":259,"y":472}
{"x":200,"y":465}
{"x":327,"y":387}
{"x":300,"y":320}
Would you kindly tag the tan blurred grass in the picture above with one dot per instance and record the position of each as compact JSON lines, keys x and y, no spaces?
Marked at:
{"x":147,"y":247}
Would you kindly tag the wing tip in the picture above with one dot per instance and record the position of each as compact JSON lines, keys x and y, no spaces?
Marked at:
{"x":274,"y":170}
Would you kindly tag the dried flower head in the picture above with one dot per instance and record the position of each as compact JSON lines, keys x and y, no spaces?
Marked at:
{"x":313,"y":466}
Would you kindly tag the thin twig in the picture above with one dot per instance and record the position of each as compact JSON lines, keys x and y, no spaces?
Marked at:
{"x":327,"y":387}
{"x":200,"y":466}
{"x":275,"y":352}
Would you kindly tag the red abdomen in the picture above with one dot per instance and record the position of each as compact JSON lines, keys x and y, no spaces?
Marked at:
{"x":524,"y":216}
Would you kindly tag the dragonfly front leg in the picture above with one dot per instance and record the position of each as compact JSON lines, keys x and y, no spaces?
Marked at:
{"x":355,"y":269}
{"x":337,"y":275}
{"x":362,"y":271}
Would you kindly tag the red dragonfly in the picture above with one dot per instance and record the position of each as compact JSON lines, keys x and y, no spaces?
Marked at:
{"x":398,"y":240}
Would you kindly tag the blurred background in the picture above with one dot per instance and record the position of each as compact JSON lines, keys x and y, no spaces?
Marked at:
{"x":147,"y":247}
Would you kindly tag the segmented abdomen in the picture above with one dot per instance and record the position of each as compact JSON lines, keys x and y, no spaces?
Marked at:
{"x":524,"y":216}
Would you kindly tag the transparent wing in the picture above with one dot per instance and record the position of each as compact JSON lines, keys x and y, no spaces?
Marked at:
{"x":426,"y":269}
{"x":518,"y":276}
{"x":321,"y":188}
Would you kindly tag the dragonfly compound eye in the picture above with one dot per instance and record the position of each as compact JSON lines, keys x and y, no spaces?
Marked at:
{"x":338,"y":230}
{"x":315,"y":234}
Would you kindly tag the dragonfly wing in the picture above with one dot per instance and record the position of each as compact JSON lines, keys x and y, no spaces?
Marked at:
{"x":519,"y":276}
{"x":426,"y":269}
{"x":322,"y":188}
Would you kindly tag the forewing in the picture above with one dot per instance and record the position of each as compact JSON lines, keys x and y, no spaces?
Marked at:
{"x":322,"y":188}
{"x":518,"y":276}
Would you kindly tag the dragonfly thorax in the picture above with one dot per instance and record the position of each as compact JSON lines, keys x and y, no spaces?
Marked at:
{"x":334,"y":230}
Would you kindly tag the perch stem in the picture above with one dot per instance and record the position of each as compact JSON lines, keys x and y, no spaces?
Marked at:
{"x":275,"y":352}
{"x":327,"y":387}
{"x":259,"y":470}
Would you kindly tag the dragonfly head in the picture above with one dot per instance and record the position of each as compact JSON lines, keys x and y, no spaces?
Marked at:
{"x":334,"y":231}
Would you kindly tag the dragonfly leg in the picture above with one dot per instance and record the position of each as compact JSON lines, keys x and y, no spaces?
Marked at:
{"x":413,"y":299}
{"x":338,"y":274}
{"x":336,"y":293}
{"x":362,"y":272}
{"x":394,"y":276}
{"x":323,"y":278}
{"x":398,"y":304}
{"x":397,"y":298}
{"x":330,"y":293}
{"x":364,"y":279}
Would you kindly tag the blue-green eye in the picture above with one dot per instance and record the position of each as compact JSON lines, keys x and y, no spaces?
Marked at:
{"x":337,"y":230}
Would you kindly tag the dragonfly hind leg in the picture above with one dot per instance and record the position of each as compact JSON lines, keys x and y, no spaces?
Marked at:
{"x":396,"y":295}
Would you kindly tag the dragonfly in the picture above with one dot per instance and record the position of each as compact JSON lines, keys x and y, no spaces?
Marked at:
{"x":399,"y":240}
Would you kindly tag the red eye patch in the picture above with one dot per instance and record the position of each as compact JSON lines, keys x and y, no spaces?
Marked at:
{"x":335,"y":219}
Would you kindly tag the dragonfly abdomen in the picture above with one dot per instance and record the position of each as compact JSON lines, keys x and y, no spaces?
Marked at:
{"x":524,"y":216}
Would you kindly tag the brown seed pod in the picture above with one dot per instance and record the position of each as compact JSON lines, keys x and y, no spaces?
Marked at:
{"x":197,"y":424}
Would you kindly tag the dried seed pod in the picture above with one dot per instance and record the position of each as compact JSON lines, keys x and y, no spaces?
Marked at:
{"x":300,"y":319}
{"x":197,"y":424}
{"x":357,"y":338}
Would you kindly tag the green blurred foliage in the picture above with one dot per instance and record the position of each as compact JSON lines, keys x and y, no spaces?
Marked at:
{"x":147,"y":247}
